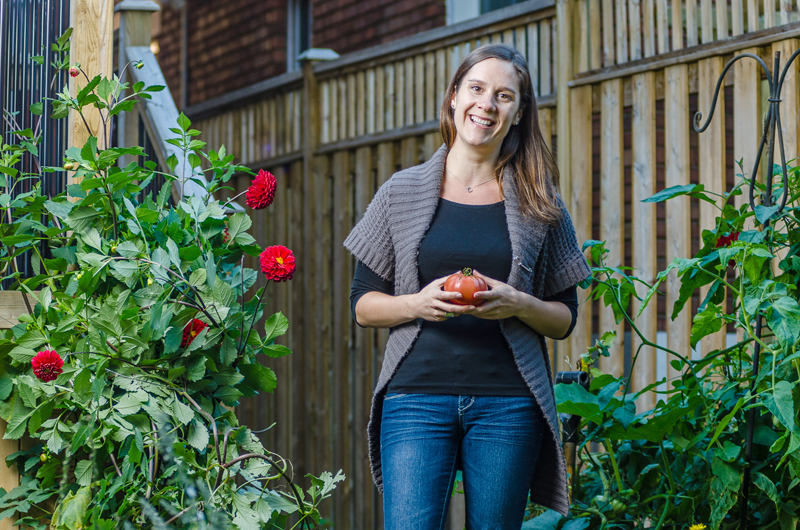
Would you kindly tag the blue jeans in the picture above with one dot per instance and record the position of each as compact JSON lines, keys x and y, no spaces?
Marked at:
{"x":425,"y":437}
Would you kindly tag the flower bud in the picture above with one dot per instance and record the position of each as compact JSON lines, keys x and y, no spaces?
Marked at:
{"x":43,"y":457}
{"x":73,"y":71}
{"x":139,"y":65}
{"x":113,"y":248}
{"x":72,"y":166}
{"x":149,"y":281}
{"x":79,"y":275}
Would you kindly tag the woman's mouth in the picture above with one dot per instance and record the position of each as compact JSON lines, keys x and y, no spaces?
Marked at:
{"x":483,"y":122}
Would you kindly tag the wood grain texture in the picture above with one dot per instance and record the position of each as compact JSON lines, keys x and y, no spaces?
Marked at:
{"x":692,"y":38}
{"x":91,"y":46}
{"x":648,"y":27}
{"x":612,"y":200}
{"x":643,"y":225}
{"x":676,"y":140}
{"x":621,"y":28}
{"x":546,"y":59}
{"x":737,"y":17}
{"x":595,"y":46}
{"x":747,"y":124}
{"x":677,"y":24}
{"x":580,"y":203}
{"x":662,"y":19}
{"x":635,"y":29}
{"x":706,"y":21}
{"x":712,"y":164}
{"x":722,"y":19}
{"x":564,"y":73}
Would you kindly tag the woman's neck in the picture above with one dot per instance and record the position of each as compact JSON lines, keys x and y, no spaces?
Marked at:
{"x":469,"y":165}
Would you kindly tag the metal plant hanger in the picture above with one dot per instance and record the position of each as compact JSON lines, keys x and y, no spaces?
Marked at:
{"x":772,"y":123}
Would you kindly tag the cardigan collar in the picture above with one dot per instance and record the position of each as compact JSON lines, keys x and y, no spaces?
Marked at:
{"x":526,"y":234}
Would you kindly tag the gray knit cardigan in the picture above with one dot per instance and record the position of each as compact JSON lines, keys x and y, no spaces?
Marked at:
{"x":546,"y":260}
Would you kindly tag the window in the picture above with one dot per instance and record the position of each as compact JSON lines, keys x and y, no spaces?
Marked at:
{"x":461,"y":10}
{"x":298,"y":35}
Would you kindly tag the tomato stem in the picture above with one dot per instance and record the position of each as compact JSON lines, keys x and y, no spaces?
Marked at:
{"x":466,"y":271}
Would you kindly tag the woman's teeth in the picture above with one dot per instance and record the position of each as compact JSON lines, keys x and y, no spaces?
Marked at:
{"x":481,"y":121}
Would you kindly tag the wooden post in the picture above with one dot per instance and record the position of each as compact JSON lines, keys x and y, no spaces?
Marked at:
{"x":612,"y":213}
{"x":92,"y":44}
{"x":564,"y":73}
{"x":712,"y":164}
{"x":676,"y":133}
{"x":643,"y":226}
{"x":134,"y":30}
{"x":12,"y":305}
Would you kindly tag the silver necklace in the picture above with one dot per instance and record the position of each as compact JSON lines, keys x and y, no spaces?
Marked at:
{"x":470,"y":189}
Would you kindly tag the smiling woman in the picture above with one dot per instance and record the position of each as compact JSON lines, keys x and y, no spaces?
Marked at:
{"x":474,"y":392}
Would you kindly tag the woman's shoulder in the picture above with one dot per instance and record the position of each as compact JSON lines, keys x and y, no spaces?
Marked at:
{"x":416,"y":180}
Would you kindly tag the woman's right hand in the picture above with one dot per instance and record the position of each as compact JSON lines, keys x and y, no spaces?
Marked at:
{"x":432,"y":303}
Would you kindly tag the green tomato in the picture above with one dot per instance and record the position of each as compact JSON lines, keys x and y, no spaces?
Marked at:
{"x":618,"y":506}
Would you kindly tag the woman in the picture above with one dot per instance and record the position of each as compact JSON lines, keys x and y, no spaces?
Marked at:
{"x":473,"y":392}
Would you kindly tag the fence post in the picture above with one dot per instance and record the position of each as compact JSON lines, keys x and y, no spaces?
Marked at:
{"x":92,"y":45}
{"x":134,"y":30}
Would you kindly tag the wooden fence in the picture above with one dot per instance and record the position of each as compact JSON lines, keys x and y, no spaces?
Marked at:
{"x":337,"y":130}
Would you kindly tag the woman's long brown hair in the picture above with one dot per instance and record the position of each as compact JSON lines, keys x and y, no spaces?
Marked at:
{"x":523,"y":149}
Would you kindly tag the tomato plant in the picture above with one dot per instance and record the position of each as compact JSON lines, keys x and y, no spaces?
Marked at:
{"x":467,"y":284}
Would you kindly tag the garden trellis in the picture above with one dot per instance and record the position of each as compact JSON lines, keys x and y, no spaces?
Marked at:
{"x":770,"y":205}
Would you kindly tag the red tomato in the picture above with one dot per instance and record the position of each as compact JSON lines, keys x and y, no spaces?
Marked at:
{"x":466,"y":284}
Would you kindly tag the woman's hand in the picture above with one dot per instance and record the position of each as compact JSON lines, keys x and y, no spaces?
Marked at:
{"x":432,"y":303}
{"x":551,"y":319}
{"x":380,"y":310}
{"x":502,"y":300}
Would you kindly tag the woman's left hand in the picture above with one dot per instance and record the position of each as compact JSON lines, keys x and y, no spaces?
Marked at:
{"x":502,"y":301}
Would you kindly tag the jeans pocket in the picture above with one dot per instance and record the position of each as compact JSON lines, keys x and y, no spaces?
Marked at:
{"x":393,"y":396}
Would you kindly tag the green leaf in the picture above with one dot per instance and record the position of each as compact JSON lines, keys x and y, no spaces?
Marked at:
{"x":81,"y":218}
{"x":6,"y":386}
{"x":182,"y":412}
{"x":22,"y":355}
{"x":259,"y":377}
{"x":768,"y":487}
{"x":574,"y":399}
{"x":784,"y":320}
{"x":765,"y":213}
{"x":228,"y":351}
{"x":725,"y":421}
{"x":92,"y":238}
{"x":238,"y":223}
{"x":224,"y":294}
{"x":37,"y":109}
{"x":705,"y":323}
{"x":198,"y":435}
{"x":781,"y":404}
{"x":276,"y":350}
{"x":72,"y":511}
{"x":83,"y":472}
{"x":59,"y":209}
{"x":196,"y":368}
{"x":174,"y":253}
{"x":275,"y":326}
{"x":82,"y":382}
{"x":184,"y":122}
{"x":127,"y":405}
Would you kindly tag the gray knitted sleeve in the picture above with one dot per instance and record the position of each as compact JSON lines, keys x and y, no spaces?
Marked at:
{"x":370,"y":240}
{"x":566,"y":264}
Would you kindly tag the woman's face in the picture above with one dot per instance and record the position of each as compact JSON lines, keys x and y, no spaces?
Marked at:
{"x":486,"y":105}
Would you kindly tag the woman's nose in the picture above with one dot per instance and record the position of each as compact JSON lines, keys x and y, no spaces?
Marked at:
{"x":487,"y":102}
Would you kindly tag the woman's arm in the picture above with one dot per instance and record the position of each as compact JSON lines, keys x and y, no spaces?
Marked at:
{"x":380,"y":310}
{"x":549,"y":318}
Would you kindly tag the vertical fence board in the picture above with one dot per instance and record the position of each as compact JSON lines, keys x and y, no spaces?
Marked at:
{"x":737,"y":17}
{"x":351,"y":108}
{"x":400,"y":94}
{"x":691,"y":23}
{"x":677,"y":24}
{"x":706,"y":21}
{"x":662,"y":31}
{"x":389,"y":99}
{"x":608,"y":33}
{"x":545,"y":58}
{"x":419,"y":89}
{"x":362,"y":378}
{"x":430,"y":87}
{"x":769,"y":14}
{"x":380,"y":99}
{"x":712,"y":163}
{"x":747,"y":118}
{"x":361,"y":103}
{"x":582,"y":61}
{"x":441,"y":80}
{"x":595,"y":48}
{"x":722,"y":19}
{"x":410,"y":91}
{"x":580,"y":202}
{"x":635,"y":29}
{"x":649,"y":26}
{"x":643,"y":224}
{"x":612,"y":197}
{"x":679,"y":237}
{"x":789,"y":100}
{"x":752,"y":15}
{"x":342,"y":276}
{"x":621,"y":28}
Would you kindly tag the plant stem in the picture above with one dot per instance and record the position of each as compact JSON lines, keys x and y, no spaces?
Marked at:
{"x":243,"y":344}
{"x":607,"y":444}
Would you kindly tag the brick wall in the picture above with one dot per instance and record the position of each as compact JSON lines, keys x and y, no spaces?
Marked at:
{"x":235,"y":43}
{"x":232,"y":44}
{"x":350,"y":25}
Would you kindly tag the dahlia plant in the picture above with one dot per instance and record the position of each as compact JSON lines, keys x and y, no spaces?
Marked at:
{"x":124,"y":376}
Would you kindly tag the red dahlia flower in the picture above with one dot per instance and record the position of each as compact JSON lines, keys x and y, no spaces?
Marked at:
{"x":73,"y":72}
{"x":277,"y":263}
{"x":726,"y":241}
{"x":262,"y":191}
{"x":47,"y":365}
{"x":192,"y":329}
